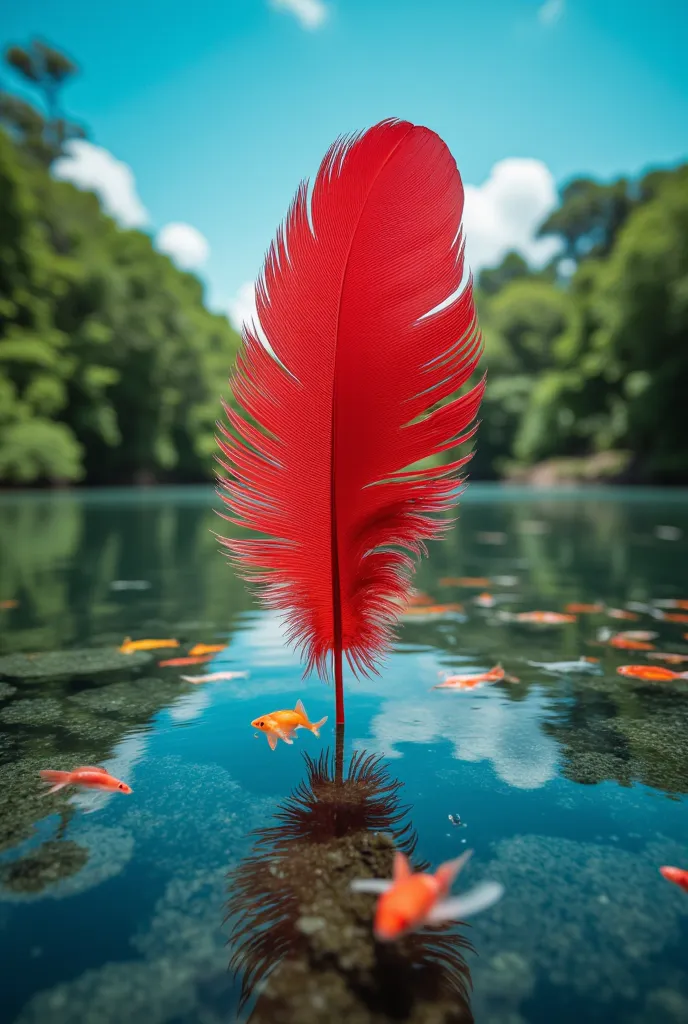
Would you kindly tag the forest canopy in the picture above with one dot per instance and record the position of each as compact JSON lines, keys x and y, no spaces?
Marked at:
{"x":112,"y":367}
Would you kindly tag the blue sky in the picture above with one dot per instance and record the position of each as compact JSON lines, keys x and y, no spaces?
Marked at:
{"x":220,"y":107}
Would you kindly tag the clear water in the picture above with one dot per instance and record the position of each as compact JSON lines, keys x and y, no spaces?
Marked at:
{"x":572,"y":788}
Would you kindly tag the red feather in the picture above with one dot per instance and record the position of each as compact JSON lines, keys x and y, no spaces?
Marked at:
{"x":321,"y":458}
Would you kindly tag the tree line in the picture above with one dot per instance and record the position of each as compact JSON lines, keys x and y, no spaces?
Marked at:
{"x":111,"y":366}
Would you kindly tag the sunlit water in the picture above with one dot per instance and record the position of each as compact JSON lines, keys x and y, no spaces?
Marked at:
{"x":572,"y":789}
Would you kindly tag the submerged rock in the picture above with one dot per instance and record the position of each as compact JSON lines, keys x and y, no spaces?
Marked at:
{"x":95,"y":661}
{"x":6,"y":690}
{"x":52,"y":861}
{"x":336,"y":970}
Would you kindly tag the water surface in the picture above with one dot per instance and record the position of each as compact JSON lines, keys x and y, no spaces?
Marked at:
{"x":572,"y":788}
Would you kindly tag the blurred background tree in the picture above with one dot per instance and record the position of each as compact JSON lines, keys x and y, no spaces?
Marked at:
{"x":111,"y":366}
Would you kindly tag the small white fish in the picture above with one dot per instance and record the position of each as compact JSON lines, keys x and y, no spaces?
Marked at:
{"x":644,"y":609}
{"x":130,"y":585}
{"x":583,"y":664}
{"x":215,"y":677}
{"x":505,"y":581}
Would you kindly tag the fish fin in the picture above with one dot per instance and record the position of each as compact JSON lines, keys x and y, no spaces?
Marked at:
{"x":374,"y":886}
{"x":402,"y":868}
{"x":286,"y":736}
{"x":53,"y":777}
{"x":300,"y":709}
{"x":92,"y":768}
{"x":317,"y":726}
{"x":472,"y":902}
{"x":54,"y":789}
{"x":272,"y":740}
{"x":447,"y":872}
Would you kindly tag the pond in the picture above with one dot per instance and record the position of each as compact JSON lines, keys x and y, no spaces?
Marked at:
{"x":218,"y":890}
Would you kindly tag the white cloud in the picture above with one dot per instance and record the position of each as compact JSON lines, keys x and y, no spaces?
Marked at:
{"x":310,"y":13}
{"x":551,"y":11}
{"x":506,"y":210}
{"x":483,"y":727}
{"x":184,"y":244}
{"x":97,"y":170}
{"x":242,"y":307}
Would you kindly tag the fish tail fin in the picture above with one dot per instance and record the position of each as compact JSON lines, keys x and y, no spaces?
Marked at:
{"x":56,"y":781}
{"x":317,"y":726}
{"x":447,"y":872}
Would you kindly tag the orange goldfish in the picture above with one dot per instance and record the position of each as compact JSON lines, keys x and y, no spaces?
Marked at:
{"x":86,"y":777}
{"x":675,"y":617}
{"x":621,"y":613}
{"x":281,"y":725}
{"x":584,"y":609}
{"x":671,"y":659}
{"x":129,"y":645}
{"x":485,"y":600}
{"x":544,"y":618}
{"x":651,"y":673}
{"x":417,"y":598}
{"x":676,"y":875}
{"x":625,"y":643}
{"x":434,"y":611}
{"x":179,"y":662}
{"x":6,"y":605}
{"x":469,"y":682}
{"x":199,"y":649}
{"x":670,"y":602}
{"x":413,"y":900}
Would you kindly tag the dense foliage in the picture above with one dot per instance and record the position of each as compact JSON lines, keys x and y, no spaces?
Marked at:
{"x":595,"y":361}
{"x":111,"y":367}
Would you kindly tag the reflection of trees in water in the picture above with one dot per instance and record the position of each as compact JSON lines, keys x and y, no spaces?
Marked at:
{"x":59,"y":556}
{"x":296,"y":923}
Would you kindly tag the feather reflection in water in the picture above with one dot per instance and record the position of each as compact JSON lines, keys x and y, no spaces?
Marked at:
{"x":290,"y":907}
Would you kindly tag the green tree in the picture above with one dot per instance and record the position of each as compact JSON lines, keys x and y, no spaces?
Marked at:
{"x":47,"y":70}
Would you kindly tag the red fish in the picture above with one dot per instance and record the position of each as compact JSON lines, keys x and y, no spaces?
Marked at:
{"x":86,"y":777}
{"x":583,"y":609}
{"x":652,"y":673}
{"x":676,"y":875}
{"x":675,"y":617}
{"x":281,"y":725}
{"x":418,"y":598}
{"x":670,"y":602}
{"x":413,"y":900}
{"x":485,"y":600}
{"x":624,"y":643}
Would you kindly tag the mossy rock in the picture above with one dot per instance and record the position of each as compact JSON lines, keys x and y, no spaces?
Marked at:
{"x":96,"y":661}
{"x":51,"y":862}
